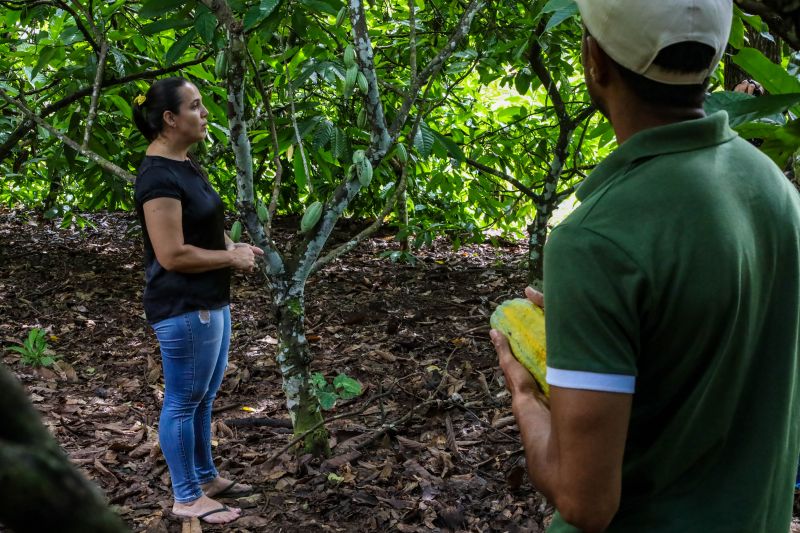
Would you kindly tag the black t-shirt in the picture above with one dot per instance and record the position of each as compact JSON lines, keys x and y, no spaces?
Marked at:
{"x":169,"y":293}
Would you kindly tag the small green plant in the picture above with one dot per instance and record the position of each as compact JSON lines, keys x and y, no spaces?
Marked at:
{"x":344,"y":387}
{"x":34,"y":350}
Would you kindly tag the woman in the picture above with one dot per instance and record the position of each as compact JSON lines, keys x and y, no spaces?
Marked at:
{"x":188,"y":259}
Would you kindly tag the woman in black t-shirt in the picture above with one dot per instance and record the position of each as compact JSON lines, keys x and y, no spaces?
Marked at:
{"x":188,"y":259}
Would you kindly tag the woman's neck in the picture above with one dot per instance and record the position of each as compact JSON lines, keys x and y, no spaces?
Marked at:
{"x":164,"y":147}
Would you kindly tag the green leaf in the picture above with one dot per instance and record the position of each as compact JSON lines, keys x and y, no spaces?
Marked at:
{"x":557,"y":5}
{"x":122,"y":105}
{"x":331,"y":7}
{"x":155,"y":8}
{"x":204,"y":24}
{"x":736,"y":39}
{"x":773,"y":77}
{"x":256,"y":14}
{"x":742,"y":108}
{"x":452,"y":148}
{"x":350,"y":388}
{"x":327,"y":400}
{"x":176,"y":50}
{"x":562,"y":10}
{"x":423,"y":141}
{"x":165,"y":24}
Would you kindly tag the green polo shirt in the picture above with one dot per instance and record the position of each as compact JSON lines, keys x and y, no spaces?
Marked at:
{"x":677,"y":280}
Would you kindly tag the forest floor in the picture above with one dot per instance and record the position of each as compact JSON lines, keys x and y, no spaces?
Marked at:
{"x":429,"y":446}
{"x":437,"y":450}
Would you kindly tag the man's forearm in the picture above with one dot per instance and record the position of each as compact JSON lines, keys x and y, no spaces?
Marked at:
{"x":533,"y":419}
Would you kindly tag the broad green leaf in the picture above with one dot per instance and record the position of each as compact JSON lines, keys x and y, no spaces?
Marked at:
{"x":560,"y":15}
{"x":327,"y":400}
{"x":176,"y":50}
{"x":165,"y":24}
{"x":451,"y":147}
{"x":742,"y":108}
{"x":557,"y":5}
{"x":204,"y":24}
{"x":736,"y":39}
{"x":258,"y":13}
{"x":773,"y":77}
{"x":122,"y":105}
{"x":348,"y":387}
{"x":423,"y":141}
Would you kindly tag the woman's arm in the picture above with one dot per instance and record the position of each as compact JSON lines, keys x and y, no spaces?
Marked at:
{"x":165,"y":227}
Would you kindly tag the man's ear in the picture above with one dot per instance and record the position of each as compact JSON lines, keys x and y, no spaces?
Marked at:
{"x":598,"y":64}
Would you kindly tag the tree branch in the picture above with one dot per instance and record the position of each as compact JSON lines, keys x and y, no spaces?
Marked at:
{"x":105,"y":164}
{"x":98,"y":81}
{"x":502,"y":175}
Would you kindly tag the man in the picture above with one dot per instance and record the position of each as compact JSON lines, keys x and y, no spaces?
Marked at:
{"x":673,"y":301}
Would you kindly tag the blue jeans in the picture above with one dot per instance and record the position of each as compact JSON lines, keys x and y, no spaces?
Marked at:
{"x":194,"y":353}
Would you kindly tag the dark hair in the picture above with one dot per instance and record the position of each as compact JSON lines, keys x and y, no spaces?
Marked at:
{"x":162,"y":96}
{"x":686,"y":57}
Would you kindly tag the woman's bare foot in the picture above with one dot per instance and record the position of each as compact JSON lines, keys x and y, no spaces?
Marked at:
{"x":225,"y":487}
{"x":208,"y":510}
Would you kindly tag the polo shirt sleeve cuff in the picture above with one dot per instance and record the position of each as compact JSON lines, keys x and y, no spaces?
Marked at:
{"x":595,"y":381}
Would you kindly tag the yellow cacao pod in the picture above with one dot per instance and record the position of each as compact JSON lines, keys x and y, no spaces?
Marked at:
{"x":523,"y":325}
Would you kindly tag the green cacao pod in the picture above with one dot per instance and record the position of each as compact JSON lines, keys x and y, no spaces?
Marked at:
{"x":341,"y":15}
{"x":402,"y":153}
{"x":349,"y":56}
{"x":359,"y":156}
{"x":350,"y":78}
{"x":221,"y":65}
{"x":236,"y":231}
{"x":364,"y":171}
{"x":523,"y":325}
{"x":362,"y":118}
{"x":311,"y":217}
{"x":263,"y":214}
{"x":362,"y":82}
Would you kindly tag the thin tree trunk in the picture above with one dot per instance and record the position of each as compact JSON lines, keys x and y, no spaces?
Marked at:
{"x":294,"y":360}
{"x":42,"y":490}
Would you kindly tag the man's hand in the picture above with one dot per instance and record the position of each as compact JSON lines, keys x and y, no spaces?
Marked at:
{"x":750,"y":87}
{"x":519,"y":381}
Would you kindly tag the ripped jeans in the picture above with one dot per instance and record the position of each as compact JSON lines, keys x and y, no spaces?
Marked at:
{"x":194,"y":354}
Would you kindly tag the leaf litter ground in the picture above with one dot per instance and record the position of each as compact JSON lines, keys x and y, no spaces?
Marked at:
{"x":429,"y":446}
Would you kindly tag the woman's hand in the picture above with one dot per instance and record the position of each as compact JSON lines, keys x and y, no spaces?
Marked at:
{"x":243,"y":256}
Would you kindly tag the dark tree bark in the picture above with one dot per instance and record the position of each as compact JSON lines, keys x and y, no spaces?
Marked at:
{"x":782,"y":16}
{"x":42,"y":491}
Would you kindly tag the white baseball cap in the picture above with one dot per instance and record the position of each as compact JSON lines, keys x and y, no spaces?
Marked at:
{"x":633,"y":32}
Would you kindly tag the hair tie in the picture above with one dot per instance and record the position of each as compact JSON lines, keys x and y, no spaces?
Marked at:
{"x":139,"y":100}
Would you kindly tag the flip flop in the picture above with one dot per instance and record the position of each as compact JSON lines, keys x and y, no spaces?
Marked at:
{"x":228,"y":491}
{"x":222,"y":509}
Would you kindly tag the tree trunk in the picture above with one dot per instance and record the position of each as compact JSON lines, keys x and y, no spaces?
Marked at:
{"x":42,"y":491}
{"x":402,"y":215}
{"x":537,"y":235}
{"x":294,"y":359}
